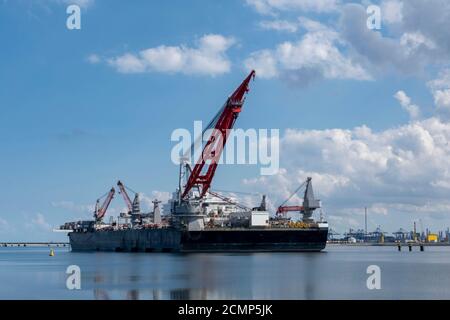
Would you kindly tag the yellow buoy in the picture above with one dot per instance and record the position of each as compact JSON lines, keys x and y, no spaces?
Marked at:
{"x":52,"y":253}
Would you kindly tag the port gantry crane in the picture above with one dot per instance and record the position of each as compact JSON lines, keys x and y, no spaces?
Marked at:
{"x":100,"y":211}
{"x":203,"y":172}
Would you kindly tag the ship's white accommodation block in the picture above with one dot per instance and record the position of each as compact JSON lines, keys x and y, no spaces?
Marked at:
{"x":259,"y":219}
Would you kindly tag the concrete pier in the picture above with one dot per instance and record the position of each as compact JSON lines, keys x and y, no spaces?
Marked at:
{"x":34,"y":244}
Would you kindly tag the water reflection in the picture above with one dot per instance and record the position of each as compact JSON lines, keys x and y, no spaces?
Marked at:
{"x":310,"y":275}
{"x":339,"y":273}
{"x":205,"y":276}
{"x":183,"y":294}
{"x":100,"y":294}
{"x":133,"y":295}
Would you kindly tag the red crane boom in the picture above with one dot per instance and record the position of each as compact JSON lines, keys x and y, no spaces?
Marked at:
{"x":125,"y":196}
{"x":101,"y":211}
{"x":285,"y":209}
{"x":204,"y":169}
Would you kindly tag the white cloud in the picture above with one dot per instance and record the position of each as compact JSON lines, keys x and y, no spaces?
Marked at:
{"x":399,"y":170}
{"x":147,"y":201}
{"x":268,"y":6}
{"x":405,"y":102}
{"x":162,"y":196}
{"x":413,"y":41}
{"x":316,"y":55}
{"x":93,"y":58}
{"x":430,"y":18}
{"x":264,"y":62}
{"x":208,"y":58}
{"x":440,"y":88}
{"x":4,"y":225}
{"x":376,"y":51}
{"x":40,"y":222}
{"x":279,"y":25}
{"x":419,"y":38}
{"x":72,"y":206}
{"x":294,"y":26}
{"x":81,"y":3}
{"x":404,"y":169}
{"x":415,"y":36}
{"x":128,"y":63}
{"x":392,"y":11}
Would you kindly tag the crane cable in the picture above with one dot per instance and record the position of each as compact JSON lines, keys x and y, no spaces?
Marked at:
{"x":211,"y":125}
{"x":129,"y":189}
{"x":228,"y":200}
{"x":239,"y":192}
{"x":293,"y":194}
{"x":103,"y":196}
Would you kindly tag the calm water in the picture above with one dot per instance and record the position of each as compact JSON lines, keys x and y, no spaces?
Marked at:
{"x":337,"y":273}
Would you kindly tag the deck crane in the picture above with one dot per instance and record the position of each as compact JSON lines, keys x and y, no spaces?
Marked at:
{"x":203,"y":172}
{"x":100,"y":211}
{"x":309,"y":202}
{"x":133,"y":207}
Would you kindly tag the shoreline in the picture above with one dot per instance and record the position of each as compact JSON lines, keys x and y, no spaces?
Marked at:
{"x":332,"y":244}
{"x":390,"y":244}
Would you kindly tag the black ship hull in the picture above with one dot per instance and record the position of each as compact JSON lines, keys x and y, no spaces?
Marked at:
{"x":218,"y":240}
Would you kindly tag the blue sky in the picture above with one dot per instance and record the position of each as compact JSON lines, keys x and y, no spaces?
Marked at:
{"x":75,"y":116}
